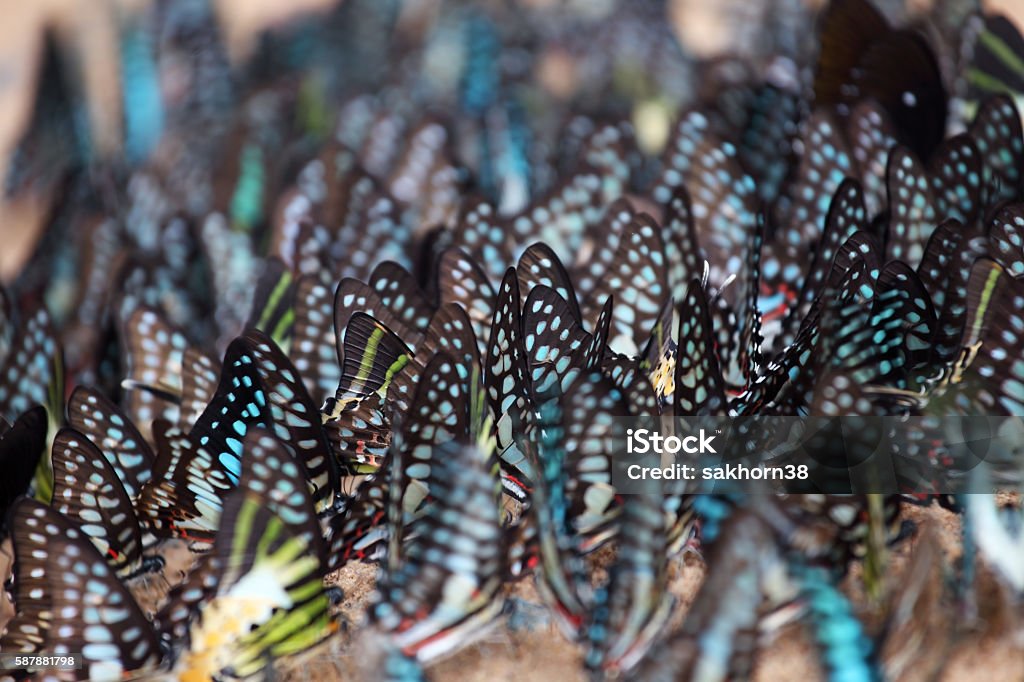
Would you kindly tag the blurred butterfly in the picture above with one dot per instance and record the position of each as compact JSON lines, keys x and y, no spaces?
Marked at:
{"x":57,"y":141}
{"x":861,"y":57}
{"x":432,"y":602}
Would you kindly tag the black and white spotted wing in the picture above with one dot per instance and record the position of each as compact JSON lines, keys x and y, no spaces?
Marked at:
{"x":89,"y":611}
{"x":123,"y":446}
{"x":87,"y":490}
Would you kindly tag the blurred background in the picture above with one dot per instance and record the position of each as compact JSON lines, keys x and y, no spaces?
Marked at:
{"x":707,"y":28}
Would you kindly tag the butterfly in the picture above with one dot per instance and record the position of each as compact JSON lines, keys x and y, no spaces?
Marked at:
{"x":719,"y":632}
{"x":86,"y":330}
{"x":57,"y":142}
{"x":858,"y":51}
{"x":360,"y":530}
{"x":439,"y":413}
{"x":109,"y":428}
{"x":594,"y":407}
{"x":235,"y":276}
{"x":506,"y":382}
{"x":400,"y":293}
{"x":425,"y":178}
{"x":154,"y":356}
{"x":637,"y":276}
{"x":460,"y":280}
{"x":1006,"y":236}
{"x":313,"y":346}
{"x":698,"y":386}
{"x":761,"y":118}
{"x":70,"y":601}
{"x":846,"y":215}
{"x":273,"y":310}
{"x":919,"y":198}
{"x":195,"y":470}
{"x":370,"y":231}
{"x":371,"y":355}
{"x":32,"y":373}
{"x":33,"y":369}
{"x":445,"y":586}
{"x":986,"y":376}
{"x":339,"y":221}
{"x":377,"y":380}
{"x":258,"y":596}
{"x":802,"y":211}
{"x":634,"y":606}
{"x":722,"y":194}
{"x":560,"y":580}
{"x":996,"y":131}
{"x":553,"y":338}
{"x":992,"y":67}
{"x":261,"y":606}
{"x":87,"y":491}
{"x":559,"y":218}
{"x":140,"y":89}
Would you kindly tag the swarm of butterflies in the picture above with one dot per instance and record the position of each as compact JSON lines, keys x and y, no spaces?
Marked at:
{"x":386,"y":290}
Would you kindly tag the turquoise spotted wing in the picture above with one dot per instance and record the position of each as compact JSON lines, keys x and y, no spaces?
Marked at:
{"x":507,"y":384}
{"x":599,"y":244}
{"x":539,"y":265}
{"x":439,"y":414}
{"x":996,"y":130}
{"x":461,"y":281}
{"x":294,"y":417}
{"x":638,"y":279}
{"x":698,"y":384}
{"x":1006,"y":235}
{"x":447,"y":584}
{"x":553,"y":339}
{"x":682,"y":250}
